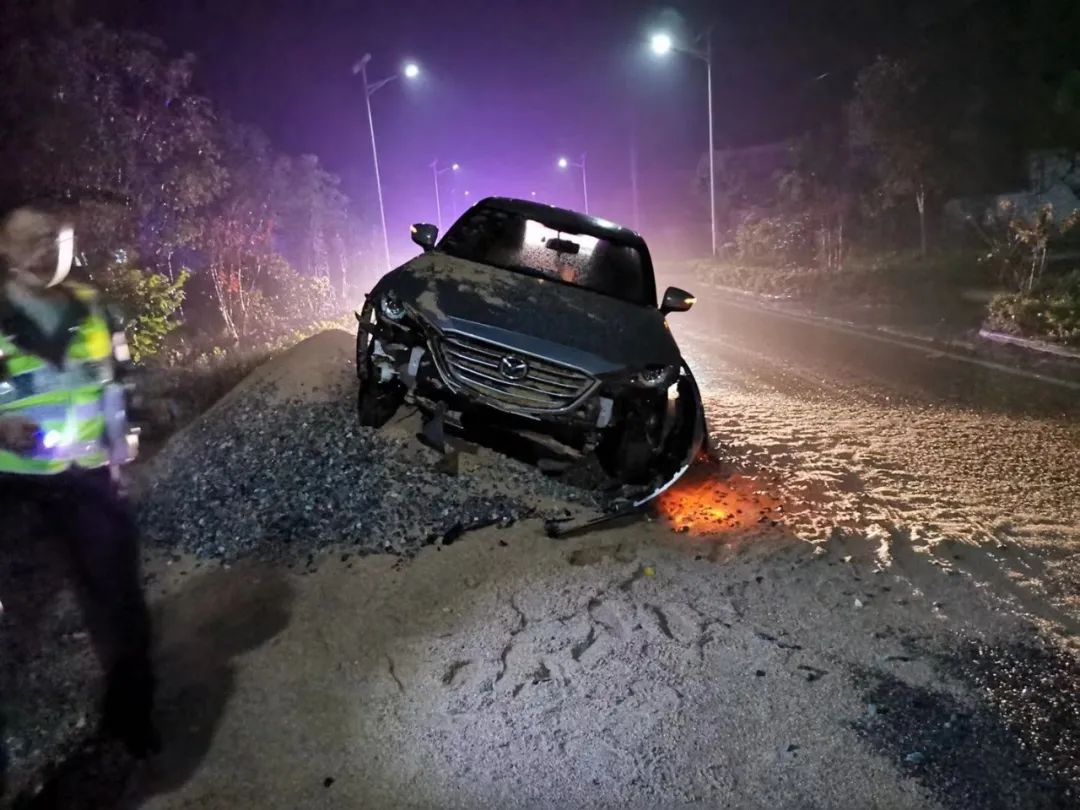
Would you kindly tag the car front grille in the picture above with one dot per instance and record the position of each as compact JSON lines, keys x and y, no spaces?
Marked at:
{"x":492,"y":371}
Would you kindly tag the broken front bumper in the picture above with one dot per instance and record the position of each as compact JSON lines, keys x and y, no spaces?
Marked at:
{"x":567,"y":404}
{"x":467,"y":371}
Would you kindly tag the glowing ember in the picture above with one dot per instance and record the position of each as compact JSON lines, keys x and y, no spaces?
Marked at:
{"x":695,"y":505}
{"x":705,"y":502}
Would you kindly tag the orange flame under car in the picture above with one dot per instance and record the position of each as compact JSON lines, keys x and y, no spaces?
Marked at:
{"x":707,"y":502}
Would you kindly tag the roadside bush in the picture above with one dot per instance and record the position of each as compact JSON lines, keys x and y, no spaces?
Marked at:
{"x":167,"y":398}
{"x":285,"y":301}
{"x":189,"y":378}
{"x":1018,"y":246}
{"x":782,"y":240}
{"x":897,"y":278}
{"x":149,"y":302}
{"x":1050,"y":311}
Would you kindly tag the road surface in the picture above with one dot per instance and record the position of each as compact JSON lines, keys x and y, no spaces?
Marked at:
{"x":876,"y":436}
{"x":867,"y":601}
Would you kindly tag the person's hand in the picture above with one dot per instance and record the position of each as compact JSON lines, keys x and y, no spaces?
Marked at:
{"x":17,"y":434}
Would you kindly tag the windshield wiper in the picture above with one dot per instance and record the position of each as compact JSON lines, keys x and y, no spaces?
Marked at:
{"x":531,"y":271}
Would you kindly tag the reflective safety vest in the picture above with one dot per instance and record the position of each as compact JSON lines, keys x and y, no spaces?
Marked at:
{"x":78,"y":407}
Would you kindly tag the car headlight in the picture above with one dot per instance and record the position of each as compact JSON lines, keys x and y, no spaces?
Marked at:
{"x":656,"y":376}
{"x":391,"y":307}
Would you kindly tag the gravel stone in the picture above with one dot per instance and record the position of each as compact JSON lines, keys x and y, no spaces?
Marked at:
{"x":284,"y":479}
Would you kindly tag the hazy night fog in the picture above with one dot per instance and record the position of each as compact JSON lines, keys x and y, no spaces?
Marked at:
{"x":506,"y":88}
{"x":689,"y":417}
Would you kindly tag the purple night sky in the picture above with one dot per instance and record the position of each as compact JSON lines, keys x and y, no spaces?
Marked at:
{"x":507,"y":87}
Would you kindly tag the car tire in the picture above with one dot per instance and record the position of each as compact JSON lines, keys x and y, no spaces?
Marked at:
{"x":627,"y":456}
{"x":376,"y":403}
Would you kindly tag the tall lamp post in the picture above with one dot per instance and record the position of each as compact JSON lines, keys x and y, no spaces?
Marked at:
{"x":662,"y":44}
{"x":409,"y":71}
{"x":436,"y":171}
{"x":564,"y":164}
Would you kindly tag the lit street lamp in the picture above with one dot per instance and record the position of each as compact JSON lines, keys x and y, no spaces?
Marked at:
{"x":662,"y":44}
{"x":436,"y":171}
{"x":565,"y":164}
{"x":411,"y":70}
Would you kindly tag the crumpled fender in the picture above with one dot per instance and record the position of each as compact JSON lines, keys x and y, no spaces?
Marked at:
{"x":685,"y":444}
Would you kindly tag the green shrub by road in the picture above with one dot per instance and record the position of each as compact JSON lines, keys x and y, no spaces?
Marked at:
{"x":1051,"y":311}
{"x":893,"y":278}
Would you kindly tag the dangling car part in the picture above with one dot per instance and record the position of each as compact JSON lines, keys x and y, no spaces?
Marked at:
{"x":540,"y":324}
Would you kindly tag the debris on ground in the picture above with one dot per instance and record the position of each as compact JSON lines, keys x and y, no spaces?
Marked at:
{"x":280,"y":469}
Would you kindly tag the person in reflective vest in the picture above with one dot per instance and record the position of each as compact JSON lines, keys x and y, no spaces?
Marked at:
{"x":63,"y":436}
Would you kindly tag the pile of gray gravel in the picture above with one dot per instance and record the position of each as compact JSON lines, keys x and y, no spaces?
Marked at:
{"x":278,"y":478}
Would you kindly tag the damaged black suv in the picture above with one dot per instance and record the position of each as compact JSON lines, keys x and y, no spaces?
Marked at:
{"x":540,"y":322}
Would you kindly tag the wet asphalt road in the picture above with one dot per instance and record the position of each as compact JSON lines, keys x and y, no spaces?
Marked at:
{"x":797,"y":356}
{"x":880,"y":437}
{"x":926,"y":464}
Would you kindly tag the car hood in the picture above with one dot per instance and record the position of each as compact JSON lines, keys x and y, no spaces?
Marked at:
{"x":595,"y":332}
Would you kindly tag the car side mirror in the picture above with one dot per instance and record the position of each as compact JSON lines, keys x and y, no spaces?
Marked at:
{"x":676,"y":300}
{"x":424,"y":235}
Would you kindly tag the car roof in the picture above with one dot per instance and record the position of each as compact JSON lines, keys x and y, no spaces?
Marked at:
{"x":564,"y":219}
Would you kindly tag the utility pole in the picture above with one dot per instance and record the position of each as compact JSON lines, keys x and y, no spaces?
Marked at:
{"x":436,"y":171}
{"x":564,"y":164}
{"x":411,"y":71}
{"x":712,"y":145}
{"x":662,"y":44}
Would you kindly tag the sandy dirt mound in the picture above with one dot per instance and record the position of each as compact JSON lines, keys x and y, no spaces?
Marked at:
{"x":311,"y":371}
{"x":281,"y":468}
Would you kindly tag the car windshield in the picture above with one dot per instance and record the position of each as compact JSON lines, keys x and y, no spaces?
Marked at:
{"x":513,"y":241}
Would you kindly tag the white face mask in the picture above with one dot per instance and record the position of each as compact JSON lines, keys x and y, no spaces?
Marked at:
{"x":65,"y":255}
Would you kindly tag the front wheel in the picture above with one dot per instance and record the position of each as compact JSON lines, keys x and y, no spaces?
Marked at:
{"x":627,"y":455}
{"x":376,"y":402}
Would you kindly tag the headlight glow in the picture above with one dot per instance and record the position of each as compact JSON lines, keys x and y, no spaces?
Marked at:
{"x":391,"y":307}
{"x":656,"y":376}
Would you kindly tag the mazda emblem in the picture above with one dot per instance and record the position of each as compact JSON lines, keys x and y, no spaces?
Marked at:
{"x":513,"y":367}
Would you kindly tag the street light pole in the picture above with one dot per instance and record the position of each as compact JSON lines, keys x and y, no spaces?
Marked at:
{"x":438,"y":204}
{"x":375,"y":157}
{"x":411,"y":71}
{"x":712,"y":147}
{"x":436,"y":171}
{"x":662,"y":44}
{"x":584,"y":183}
{"x":564,"y":163}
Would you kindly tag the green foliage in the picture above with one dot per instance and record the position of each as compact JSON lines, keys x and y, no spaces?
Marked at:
{"x":301,"y":300}
{"x":108,"y":124}
{"x":1018,"y":246}
{"x":277,"y":214}
{"x":150,"y":304}
{"x":1050,"y":311}
{"x":894,"y":278}
{"x":781,"y":238}
{"x":116,"y":131}
{"x":890,"y":98}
